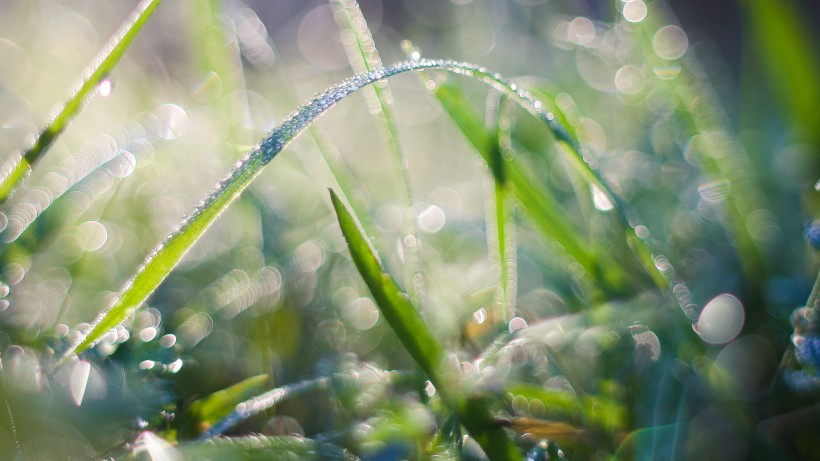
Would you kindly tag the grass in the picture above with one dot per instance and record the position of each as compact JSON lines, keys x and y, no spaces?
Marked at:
{"x":609,"y":264}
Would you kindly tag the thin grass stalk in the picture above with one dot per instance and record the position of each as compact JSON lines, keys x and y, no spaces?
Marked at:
{"x":364,"y":57}
{"x":16,"y":169}
{"x":500,"y":218}
{"x":417,"y":338}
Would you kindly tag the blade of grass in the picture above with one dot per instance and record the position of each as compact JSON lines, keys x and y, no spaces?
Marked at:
{"x":17,"y":168}
{"x":418,"y":339}
{"x":262,"y":402}
{"x":363,"y":56}
{"x":545,"y":212}
{"x":207,"y":410}
{"x":500,"y":216}
{"x":263,"y":447}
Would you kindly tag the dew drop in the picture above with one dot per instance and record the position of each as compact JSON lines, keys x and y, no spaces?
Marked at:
{"x":721,"y":319}
{"x":79,"y":381}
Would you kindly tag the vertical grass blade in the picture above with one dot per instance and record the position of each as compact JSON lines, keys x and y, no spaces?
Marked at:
{"x":17,"y":168}
{"x":418,"y":339}
{"x":363,"y":56}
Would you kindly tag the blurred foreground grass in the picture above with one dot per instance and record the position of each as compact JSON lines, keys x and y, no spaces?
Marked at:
{"x":640,"y":300}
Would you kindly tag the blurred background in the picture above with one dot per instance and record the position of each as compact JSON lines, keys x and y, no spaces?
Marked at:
{"x":701,"y":114}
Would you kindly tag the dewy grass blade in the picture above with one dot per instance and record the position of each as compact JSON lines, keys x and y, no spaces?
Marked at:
{"x":168,"y":254}
{"x":17,"y":168}
{"x":419,"y":341}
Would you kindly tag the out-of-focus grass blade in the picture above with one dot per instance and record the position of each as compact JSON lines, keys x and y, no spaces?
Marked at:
{"x":419,"y":341}
{"x":545,"y":212}
{"x":18,"y":167}
{"x":262,"y":402}
{"x":364,"y":57}
{"x":258,"y":447}
{"x":782,"y":41}
{"x":205,"y":411}
{"x":502,"y":220}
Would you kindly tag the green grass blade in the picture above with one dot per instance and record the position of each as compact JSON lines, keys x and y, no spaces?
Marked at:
{"x":419,"y":340}
{"x":262,"y":402}
{"x":502,"y":219}
{"x":18,"y":167}
{"x":394,"y":304}
{"x":263,"y":447}
{"x":364,"y":57}
{"x":545,"y":212}
{"x":207,"y":410}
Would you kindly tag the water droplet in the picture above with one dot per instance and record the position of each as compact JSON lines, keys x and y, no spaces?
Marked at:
{"x":721,"y":319}
{"x":600,"y":199}
{"x":79,"y":381}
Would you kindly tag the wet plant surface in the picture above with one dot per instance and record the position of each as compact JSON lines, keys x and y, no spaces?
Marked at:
{"x":602,"y":245}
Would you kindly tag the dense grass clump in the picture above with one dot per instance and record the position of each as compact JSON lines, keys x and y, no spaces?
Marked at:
{"x":603,"y":251}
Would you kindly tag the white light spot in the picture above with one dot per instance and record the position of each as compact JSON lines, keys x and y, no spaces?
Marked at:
{"x":147,"y":334}
{"x":628,"y":79}
{"x":361,"y":313}
{"x":480,"y":316}
{"x":79,"y":381}
{"x":104,"y":88}
{"x":167,"y":341}
{"x":670,"y":42}
{"x":147,"y":364}
{"x":92,"y":235}
{"x":634,"y":11}
{"x":517,"y":323}
{"x":431,"y":220}
{"x":600,"y":200}
{"x":721,"y":319}
{"x":429,"y":389}
{"x":175,"y":366}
